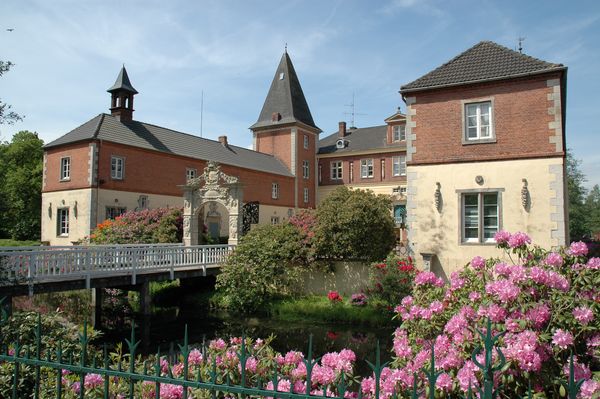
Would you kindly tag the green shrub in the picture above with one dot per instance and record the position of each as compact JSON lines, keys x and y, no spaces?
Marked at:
{"x":354,"y":224}
{"x":265,"y":265}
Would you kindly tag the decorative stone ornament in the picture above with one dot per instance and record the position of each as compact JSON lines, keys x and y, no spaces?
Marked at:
{"x":212,"y":187}
{"x":479,"y":180}
{"x":438,"y":197}
{"x":525,"y":195}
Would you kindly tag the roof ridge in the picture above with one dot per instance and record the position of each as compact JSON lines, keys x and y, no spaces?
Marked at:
{"x":97,"y":129}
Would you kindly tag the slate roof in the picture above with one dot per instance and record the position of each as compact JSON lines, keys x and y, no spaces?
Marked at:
{"x":144,"y":135}
{"x":285,"y":97}
{"x":485,"y":61}
{"x":122,"y":83}
{"x":363,"y":139}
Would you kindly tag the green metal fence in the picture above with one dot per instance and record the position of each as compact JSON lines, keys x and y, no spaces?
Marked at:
{"x":217,"y":385}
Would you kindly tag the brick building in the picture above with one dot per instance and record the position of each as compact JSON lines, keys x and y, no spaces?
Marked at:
{"x":480,"y":148}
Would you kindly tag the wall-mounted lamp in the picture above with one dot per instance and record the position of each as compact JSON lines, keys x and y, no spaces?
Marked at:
{"x":438,"y":197}
{"x":50,"y":210}
{"x":75,"y":209}
{"x":525,"y":197}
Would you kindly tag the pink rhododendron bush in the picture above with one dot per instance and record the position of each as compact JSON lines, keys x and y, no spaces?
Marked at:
{"x":542,"y":307}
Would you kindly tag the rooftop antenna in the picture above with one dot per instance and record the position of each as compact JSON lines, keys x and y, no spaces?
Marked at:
{"x":201,"y":111}
{"x":353,"y":113}
{"x":521,"y":40}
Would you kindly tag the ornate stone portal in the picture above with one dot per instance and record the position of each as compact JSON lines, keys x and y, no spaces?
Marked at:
{"x":212,"y":186}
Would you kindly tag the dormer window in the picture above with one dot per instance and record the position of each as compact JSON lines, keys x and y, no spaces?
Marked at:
{"x":340,"y":144}
{"x":399,"y":133}
{"x":281,"y":75}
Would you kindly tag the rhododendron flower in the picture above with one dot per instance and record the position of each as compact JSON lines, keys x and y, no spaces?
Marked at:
{"x":217,"y":344}
{"x":578,"y":248}
{"x":501,"y":237}
{"x":583,"y":314}
{"x":562,"y":338}
{"x":589,"y":389}
{"x":195,"y":357}
{"x":504,"y":290}
{"x":466,"y":377}
{"x":539,"y":315}
{"x":478,"y":263}
{"x":334,"y":296}
{"x":444,"y":382}
{"x":428,"y":278}
{"x":581,"y":371}
{"x":554,"y":259}
{"x":474,"y":296}
{"x":92,"y":381}
{"x":593,"y":263}
{"x":518,"y":239}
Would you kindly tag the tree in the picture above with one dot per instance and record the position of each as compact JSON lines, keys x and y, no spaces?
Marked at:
{"x":6,"y":115}
{"x":21,"y":165}
{"x":577,"y":194}
{"x":592,"y":204}
{"x":355,"y":224}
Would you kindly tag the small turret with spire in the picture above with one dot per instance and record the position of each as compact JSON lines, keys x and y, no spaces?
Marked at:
{"x":122,"y":93}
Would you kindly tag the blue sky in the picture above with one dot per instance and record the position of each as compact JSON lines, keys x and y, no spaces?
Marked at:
{"x":68,"y":53}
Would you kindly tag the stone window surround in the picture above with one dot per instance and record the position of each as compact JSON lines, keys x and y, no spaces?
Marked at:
{"x":463,"y":105}
{"x":366,"y":165}
{"x":60,"y":215}
{"x":460,"y":212}
{"x":399,"y":158}
{"x":115,"y":176}
{"x":65,"y":160}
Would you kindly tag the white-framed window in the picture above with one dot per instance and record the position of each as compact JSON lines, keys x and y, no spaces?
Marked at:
{"x":112,"y":212}
{"x":306,"y":142}
{"x":62,"y":220}
{"x":274,"y":219}
{"x":336,"y":170}
{"x":399,"y":133}
{"x":399,"y":165}
{"x":143,"y":202}
{"x":305,"y":195}
{"x":478,"y":121}
{"x":275,"y":190}
{"x":366,"y":168}
{"x":190,"y":173}
{"x":65,"y":168}
{"x":117,"y":167}
{"x":305,"y":169}
{"x":480,"y":216}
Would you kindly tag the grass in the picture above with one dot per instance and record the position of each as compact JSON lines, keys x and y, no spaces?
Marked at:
{"x":7,"y":242}
{"x":319,"y":309}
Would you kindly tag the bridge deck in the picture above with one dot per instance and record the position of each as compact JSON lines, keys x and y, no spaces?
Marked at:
{"x":31,"y":266}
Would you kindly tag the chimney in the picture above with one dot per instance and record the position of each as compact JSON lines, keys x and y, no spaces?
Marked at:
{"x":223,"y":140}
{"x":342,"y":129}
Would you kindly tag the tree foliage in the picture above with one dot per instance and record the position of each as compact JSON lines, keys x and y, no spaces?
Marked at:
{"x":6,"y":115}
{"x":355,"y":224}
{"x":21,"y":165}
{"x":265,"y":265}
{"x":584,"y":207}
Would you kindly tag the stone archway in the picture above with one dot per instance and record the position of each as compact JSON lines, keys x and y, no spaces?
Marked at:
{"x":212,"y":186}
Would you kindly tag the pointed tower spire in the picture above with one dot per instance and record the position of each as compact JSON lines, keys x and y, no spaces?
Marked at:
{"x":285,"y":102}
{"x":122,"y":93}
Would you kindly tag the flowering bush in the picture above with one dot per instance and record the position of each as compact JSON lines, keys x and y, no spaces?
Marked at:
{"x":358,"y":299}
{"x":391,"y":280}
{"x":334,"y":297}
{"x":160,"y":225}
{"x":545,"y":305}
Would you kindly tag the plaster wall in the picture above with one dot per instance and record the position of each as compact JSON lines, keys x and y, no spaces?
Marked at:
{"x":79,"y":221}
{"x":439,"y":232}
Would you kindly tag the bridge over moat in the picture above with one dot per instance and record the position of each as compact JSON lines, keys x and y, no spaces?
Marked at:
{"x":131,"y":267}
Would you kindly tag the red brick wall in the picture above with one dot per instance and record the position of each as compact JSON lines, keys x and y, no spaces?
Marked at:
{"x":159,"y":173}
{"x":277,"y":143}
{"x":308,"y":155}
{"x":520,"y":122}
{"x":325,"y":164}
{"x":79,"y":153}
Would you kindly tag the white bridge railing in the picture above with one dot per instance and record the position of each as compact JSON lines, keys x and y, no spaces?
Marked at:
{"x":34,"y":265}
